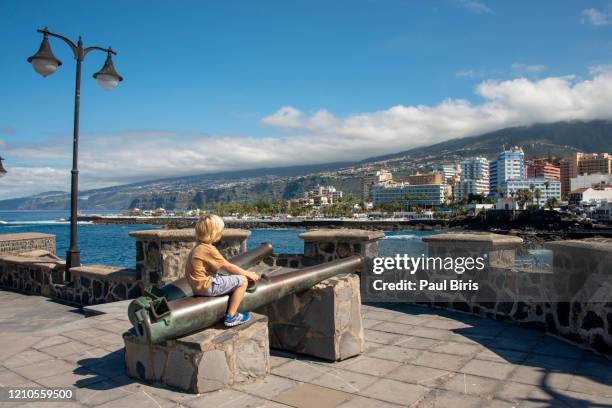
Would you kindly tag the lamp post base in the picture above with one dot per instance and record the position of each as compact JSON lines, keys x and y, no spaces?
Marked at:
{"x":73,"y":259}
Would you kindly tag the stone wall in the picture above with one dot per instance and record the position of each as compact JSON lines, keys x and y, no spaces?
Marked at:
{"x":37,"y":275}
{"x":572,"y":301}
{"x":161,"y":254}
{"x":13,"y":244}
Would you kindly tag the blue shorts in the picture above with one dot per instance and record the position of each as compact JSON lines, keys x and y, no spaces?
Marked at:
{"x":223,"y":284}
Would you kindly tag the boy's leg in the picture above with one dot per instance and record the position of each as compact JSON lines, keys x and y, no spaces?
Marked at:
{"x":237,"y":296}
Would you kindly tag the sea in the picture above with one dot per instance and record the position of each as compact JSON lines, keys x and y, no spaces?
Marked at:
{"x":110,"y":244}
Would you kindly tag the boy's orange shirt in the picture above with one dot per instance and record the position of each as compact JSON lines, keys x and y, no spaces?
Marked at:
{"x":203,"y":262}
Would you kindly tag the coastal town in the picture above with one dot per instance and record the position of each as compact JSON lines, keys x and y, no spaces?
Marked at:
{"x":579,"y":184}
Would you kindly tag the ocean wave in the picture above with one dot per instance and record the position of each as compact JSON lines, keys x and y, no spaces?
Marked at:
{"x":407,"y":236}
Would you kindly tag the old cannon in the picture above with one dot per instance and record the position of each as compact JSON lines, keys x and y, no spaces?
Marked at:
{"x":172,"y":311}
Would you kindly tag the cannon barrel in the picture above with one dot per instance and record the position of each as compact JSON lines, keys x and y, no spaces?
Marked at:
{"x":191,"y":314}
{"x":180,"y":288}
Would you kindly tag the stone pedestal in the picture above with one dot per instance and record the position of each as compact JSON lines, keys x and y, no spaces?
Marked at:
{"x":323,"y":322}
{"x":499,"y":250}
{"x":210,"y":360}
{"x":161,"y":254}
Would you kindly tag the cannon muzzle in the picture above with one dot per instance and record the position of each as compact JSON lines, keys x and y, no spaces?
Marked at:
{"x":188,"y":315}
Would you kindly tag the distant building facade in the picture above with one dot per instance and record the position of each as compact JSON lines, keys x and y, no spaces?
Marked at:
{"x":591,"y":195}
{"x":540,"y":168}
{"x":583,"y":164}
{"x":371,"y":180}
{"x":449,"y":171}
{"x":548,"y":188}
{"x":589,"y":180}
{"x":411,"y":194}
{"x":474,"y":178}
{"x":423,"y":178}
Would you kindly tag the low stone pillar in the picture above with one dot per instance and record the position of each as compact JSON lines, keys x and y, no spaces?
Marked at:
{"x":325,"y":245}
{"x":93,"y":284}
{"x":325,"y":321}
{"x":499,"y":250}
{"x":206,"y":361}
{"x":13,"y":244}
{"x":161,"y":254}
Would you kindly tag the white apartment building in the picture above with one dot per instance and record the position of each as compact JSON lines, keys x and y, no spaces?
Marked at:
{"x":552,"y":191}
{"x":474,"y":178}
{"x":371,"y":180}
{"x":508,"y":165}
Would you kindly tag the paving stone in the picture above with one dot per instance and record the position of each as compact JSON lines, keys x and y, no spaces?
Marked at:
{"x":84,"y":333}
{"x":9,"y":378}
{"x":394,"y":353}
{"x":602,"y":370}
{"x":458,"y":349}
{"x":446,"y":324}
{"x":299,"y":370}
{"x":381,"y":337}
{"x":269,"y":387}
{"x":554,"y":347}
{"x":575,"y":399}
{"x":425,"y":376}
{"x":65,"y":349}
{"x":78,"y":378}
{"x":99,"y":393}
{"x":373,"y":366}
{"x":513,"y":392}
{"x":362,"y":402}
{"x":429,"y":333}
{"x":91,"y":356}
{"x":472,"y":385}
{"x":312,"y":396}
{"x":396,"y":392}
{"x":602,"y":388}
{"x":344,"y":380}
{"x":441,"y":361}
{"x":51,"y":341}
{"x":26,"y":357}
{"x":502,"y":356}
{"x":44,"y":369}
{"x":394,"y":327}
{"x":516,"y":343}
{"x":541,"y":377}
{"x":489,"y":369}
{"x":275,"y":361}
{"x":419,"y":343}
{"x":449,"y":399}
{"x":566,"y":365}
{"x":138,"y":400}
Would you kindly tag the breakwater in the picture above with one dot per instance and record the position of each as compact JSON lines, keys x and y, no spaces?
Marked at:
{"x":189,"y":222}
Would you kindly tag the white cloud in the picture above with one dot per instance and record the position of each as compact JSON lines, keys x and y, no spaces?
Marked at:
{"x":475,"y":6}
{"x":596,"y":17}
{"x":317,"y":137}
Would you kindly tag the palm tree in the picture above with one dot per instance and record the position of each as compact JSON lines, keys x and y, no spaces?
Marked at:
{"x":532,"y":188}
{"x":538,"y":195}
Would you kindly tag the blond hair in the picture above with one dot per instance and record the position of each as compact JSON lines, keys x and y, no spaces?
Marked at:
{"x":209,"y":228}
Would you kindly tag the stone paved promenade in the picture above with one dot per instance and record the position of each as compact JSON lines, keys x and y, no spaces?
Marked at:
{"x":415,"y":357}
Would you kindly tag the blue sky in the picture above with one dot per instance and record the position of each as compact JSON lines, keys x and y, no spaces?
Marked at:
{"x":287,"y":74}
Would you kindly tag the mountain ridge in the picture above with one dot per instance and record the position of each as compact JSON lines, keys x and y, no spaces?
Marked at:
{"x":200,"y":190}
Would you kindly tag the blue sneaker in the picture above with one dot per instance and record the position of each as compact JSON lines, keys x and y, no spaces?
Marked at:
{"x":235,"y":320}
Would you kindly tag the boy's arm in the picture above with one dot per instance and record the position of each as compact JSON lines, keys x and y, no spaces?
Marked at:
{"x":236,"y":270}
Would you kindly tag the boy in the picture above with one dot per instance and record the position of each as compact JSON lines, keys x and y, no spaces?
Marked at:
{"x":205,"y":260}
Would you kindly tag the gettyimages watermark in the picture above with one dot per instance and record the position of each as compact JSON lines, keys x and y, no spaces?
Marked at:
{"x":479,"y":278}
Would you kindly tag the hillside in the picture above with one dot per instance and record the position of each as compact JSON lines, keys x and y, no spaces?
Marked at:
{"x":555,"y":139}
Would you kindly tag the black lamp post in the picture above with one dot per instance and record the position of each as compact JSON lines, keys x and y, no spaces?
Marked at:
{"x":45,"y":63}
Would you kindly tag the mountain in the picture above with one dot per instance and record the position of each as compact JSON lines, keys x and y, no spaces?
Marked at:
{"x":554,"y":140}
